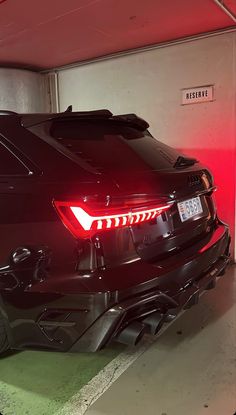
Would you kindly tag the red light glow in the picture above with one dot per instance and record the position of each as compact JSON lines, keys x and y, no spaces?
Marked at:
{"x":83,"y":223}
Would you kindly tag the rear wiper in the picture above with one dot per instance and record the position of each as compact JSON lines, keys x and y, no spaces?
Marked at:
{"x":184,"y":162}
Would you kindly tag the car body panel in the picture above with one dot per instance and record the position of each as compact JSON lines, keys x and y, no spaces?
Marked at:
{"x":65,"y":293}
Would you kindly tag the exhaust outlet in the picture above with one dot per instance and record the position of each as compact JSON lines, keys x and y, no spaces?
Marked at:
{"x":211,"y":284}
{"x":193,"y":300}
{"x":132,"y":334}
{"x":168,"y":318}
{"x":154,"y":322}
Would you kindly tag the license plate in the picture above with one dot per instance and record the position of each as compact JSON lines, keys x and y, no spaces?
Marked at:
{"x":190,"y":208}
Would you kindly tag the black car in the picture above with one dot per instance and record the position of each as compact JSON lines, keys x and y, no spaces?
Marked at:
{"x":106,"y":233}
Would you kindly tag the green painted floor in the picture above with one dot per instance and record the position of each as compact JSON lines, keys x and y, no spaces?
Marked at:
{"x":40,"y":383}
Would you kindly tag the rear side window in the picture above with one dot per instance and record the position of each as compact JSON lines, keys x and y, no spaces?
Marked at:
{"x":9,"y":164}
{"x":108,"y":145}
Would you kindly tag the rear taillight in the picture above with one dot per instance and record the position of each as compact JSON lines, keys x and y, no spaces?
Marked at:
{"x":84,"y":222}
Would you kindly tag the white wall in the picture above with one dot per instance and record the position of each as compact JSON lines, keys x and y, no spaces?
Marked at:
{"x":149,"y":83}
{"x":22,"y":91}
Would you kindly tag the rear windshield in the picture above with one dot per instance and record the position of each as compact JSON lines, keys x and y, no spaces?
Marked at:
{"x":107,"y":145}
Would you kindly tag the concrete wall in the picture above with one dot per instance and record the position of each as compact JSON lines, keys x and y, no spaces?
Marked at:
{"x":149,"y":83}
{"x":22,"y":91}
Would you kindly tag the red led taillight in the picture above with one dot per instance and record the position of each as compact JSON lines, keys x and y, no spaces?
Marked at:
{"x":82,"y":222}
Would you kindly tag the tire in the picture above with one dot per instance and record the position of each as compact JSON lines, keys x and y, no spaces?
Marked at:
{"x":4,"y":343}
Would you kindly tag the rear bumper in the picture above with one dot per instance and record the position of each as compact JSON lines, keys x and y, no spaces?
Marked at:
{"x":203,"y":269}
{"x":88,"y":322}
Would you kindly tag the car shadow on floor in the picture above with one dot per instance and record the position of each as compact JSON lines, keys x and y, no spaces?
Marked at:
{"x":212,"y":306}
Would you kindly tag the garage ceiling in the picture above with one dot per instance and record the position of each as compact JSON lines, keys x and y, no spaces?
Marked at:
{"x":49,"y":33}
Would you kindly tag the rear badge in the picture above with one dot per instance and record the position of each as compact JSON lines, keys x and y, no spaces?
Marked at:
{"x":194,"y":180}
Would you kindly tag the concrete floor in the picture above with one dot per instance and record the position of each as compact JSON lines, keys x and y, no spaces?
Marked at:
{"x":41,"y":383}
{"x":189,"y":370}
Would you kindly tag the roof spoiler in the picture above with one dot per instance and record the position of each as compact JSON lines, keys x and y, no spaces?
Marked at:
{"x":28,"y":120}
{"x":7,"y":112}
{"x":132,"y":119}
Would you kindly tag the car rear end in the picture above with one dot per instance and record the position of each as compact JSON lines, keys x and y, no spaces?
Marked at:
{"x":126,"y":233}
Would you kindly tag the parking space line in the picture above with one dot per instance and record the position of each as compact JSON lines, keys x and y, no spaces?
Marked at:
{"x":81,"y":401}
